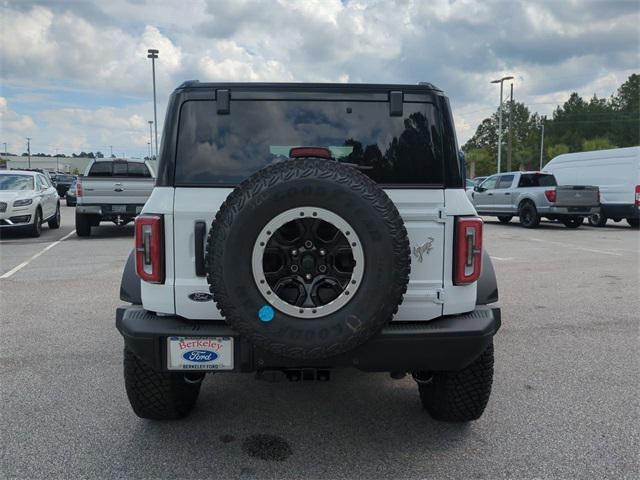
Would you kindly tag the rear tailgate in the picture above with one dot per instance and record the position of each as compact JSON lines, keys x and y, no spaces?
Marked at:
{"x":116,"y":190}
{"x":577,"y":196}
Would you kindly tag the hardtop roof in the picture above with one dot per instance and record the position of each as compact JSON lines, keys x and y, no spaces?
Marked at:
{"x":318,"y":87}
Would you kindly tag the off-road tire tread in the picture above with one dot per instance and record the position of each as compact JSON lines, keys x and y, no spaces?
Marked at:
{"x":460,"y":396}
{"x":307,"y":168}
{"x":157,"y":395}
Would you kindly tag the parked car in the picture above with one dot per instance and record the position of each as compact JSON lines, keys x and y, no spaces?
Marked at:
{"x":63,"y":183}
{"x":533,"y":195}
{"x":71,"y":194}
{"x":112,"y":190}
{"x":27,"y":200}
{"x":469,"y":186}
{"x":279,"y":239}
{"x":616,"y":172}
{"x":478,"y":180}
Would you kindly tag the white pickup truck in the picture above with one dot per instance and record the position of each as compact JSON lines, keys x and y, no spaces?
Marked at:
{"x":112,"y":190}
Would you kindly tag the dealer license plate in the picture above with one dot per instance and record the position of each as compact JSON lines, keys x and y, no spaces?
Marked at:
{"x":119,"y":208}
{"x":200,"y":353}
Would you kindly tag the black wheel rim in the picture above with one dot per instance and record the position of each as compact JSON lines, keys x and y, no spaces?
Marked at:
{"x":308,"y":263}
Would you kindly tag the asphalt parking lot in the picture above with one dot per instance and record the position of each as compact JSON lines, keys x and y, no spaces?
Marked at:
{"x":565,"y":401}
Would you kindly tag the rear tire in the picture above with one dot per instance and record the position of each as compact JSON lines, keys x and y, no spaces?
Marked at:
{"x":633,"y":222}
{"x":529,"y":217}
{"x":83,"y":225}
{"x":597,"y":220}
{"x":36,"y":229}
{"x":158,"y":395}
{"x":55,"y":221}
{"x":572,"y":222}
{"x":504,"y":219}
{"x":458,"y":396}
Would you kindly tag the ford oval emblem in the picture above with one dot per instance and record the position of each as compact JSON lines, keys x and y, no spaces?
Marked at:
{"x":200,"y":356}
{"x":200,"y":297}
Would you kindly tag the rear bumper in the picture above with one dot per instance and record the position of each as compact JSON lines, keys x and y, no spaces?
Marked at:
{"x":570,"y":211}
{"x":130,"y":210}
{"x":613,"y":210}
{"x":447,"y":343}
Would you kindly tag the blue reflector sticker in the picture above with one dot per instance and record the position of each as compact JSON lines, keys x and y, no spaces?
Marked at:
{"x":266,"y":313}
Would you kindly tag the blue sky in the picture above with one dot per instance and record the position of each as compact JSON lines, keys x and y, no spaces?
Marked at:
{"x":75,"y":74}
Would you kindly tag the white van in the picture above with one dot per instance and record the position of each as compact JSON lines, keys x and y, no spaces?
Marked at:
{"x":616,"y":172}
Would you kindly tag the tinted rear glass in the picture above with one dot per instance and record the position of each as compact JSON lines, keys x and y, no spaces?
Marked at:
{"x":119,"y":169}
{"x":537,"y":180}
{"x":65,"y":178}
{"x":138,"y":170}
{"x":101,"y":169}
{"x":225,"y":149}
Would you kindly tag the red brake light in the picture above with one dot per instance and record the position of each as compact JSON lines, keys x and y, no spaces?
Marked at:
{"x":638,"y":196}
{"x":468,"y":250}
{"x":551,"y":195}
{"x":79,"y":191}
{"x":318,"y":152}
{"x":150,"y":248}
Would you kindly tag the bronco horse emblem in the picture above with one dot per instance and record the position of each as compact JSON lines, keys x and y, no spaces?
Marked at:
{"x":424,"y":248}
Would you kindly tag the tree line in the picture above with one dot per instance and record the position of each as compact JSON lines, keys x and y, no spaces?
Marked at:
{"x":576,"y":126}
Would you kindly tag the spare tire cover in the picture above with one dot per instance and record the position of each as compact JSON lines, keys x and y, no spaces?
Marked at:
{"x":308,"y":258}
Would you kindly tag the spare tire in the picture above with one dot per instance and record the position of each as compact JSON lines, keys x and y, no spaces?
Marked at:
{"x":308,"y":258}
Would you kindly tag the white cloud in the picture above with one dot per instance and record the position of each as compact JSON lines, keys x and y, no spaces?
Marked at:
{"x":552,"y":48}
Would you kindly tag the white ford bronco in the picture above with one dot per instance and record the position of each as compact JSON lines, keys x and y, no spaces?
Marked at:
{"x":299,"y":228}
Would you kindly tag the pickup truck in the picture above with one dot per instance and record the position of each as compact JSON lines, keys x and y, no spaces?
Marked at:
{"x":112,"y":190}
{"x":533,"y":195}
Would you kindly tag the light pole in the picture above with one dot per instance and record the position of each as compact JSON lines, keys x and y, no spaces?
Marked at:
{"x":541,"y":140}
{"x":57,"y":162}
{"x":29,"y":150}
{"x":500,"y":81}
{"x":149,"y":149}
{"x":153,"y":54}
{"x":5,"y":148}
{"x":150,"y":137}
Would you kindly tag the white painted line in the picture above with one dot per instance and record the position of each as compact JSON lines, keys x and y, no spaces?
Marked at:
{"x":27,"y":262}
{"x":504,"y":259}
{"x":577,"y":247}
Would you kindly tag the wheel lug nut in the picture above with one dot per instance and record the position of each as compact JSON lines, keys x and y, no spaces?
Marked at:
{"x":294,"y":252}
{"x":322,"y":268}
{"x":308,"y":276}
{"x":323,"y":252}
{"x":294,"y":268}
{"x":308,"y":244}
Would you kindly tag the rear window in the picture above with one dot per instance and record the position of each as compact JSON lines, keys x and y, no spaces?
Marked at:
{"x":225,"y":149}
{"x":537,"y":180}
{"x":119,"y":169}
{"x":65,"y":178}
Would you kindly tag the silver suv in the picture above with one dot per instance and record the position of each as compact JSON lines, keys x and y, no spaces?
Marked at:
{"x":533,"y":195}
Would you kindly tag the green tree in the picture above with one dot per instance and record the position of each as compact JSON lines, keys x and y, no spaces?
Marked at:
{"x":597,"y":143}
{"x":555,"y":150}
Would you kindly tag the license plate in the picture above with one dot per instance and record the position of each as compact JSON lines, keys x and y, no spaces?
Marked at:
{"x":119,"y":208}
{"x":200,"y":353}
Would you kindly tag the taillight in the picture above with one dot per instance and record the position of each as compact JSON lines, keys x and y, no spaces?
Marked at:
{"x":150,"y":248}
{"x":551,"y":195}
{"x":468,"y":250}
{"x":638,"y":196}
{"x":79,"y":191}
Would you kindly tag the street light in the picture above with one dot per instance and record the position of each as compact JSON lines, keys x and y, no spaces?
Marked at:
{"x":500,"y":81}
{"x":541,"y":139}
{"x":150,"y":137}
{"x":149,"y":149}
{"x":153,"y":54}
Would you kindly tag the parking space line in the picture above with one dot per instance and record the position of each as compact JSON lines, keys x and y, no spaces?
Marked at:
{"x":27,"y":262}
{"x":577,"y":247}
